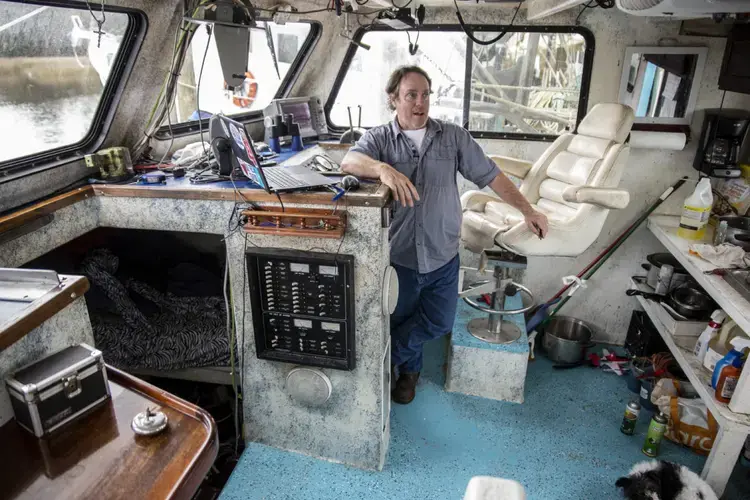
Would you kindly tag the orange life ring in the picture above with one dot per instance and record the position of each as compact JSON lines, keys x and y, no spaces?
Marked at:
{"x":245,"y":95}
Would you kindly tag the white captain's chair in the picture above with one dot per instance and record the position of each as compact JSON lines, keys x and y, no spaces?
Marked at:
{"x":574,"y":183}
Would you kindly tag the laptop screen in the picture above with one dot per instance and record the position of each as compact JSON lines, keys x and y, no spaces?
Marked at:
{"x":244,"y":150}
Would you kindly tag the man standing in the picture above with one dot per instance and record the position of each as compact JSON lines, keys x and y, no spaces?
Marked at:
{"x":417,"y":158}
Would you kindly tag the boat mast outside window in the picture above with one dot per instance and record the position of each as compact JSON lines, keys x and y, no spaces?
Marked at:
{"x":531,"y":84}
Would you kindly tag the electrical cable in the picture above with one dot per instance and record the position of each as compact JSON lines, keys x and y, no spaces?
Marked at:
{"x":401,"y":6}
{"x":198,"y":89}
{"x":413,"y":47}
{"x":471,"y":35}
{"x":280,"y":202}
{"x":171,"y":103}
{"x":232,"y":339}
{"x":244,"y":310}
{"x":168,"y":87}
{"x":604,"y":4}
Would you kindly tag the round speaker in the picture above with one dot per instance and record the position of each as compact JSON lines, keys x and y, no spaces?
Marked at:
{"x":308,"y":386}
{"x":390,"y":291}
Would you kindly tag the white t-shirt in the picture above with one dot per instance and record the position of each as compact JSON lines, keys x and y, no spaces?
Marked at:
{"x":416,"y":136}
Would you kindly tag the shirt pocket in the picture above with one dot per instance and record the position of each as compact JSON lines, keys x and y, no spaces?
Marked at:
{"x":405,"y":164}
{"x":440,"y":163}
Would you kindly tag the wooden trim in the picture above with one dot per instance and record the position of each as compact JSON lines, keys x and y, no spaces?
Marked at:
{"x":379,"y":198}
{"x":201,"y":463}
{"x":42,"y":309}
{"x":29,"y":214}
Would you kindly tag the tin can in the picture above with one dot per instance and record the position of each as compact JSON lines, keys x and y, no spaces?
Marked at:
{"x":664,"y":280}
{"x":655,"y":434}
{"x":632,"y":410}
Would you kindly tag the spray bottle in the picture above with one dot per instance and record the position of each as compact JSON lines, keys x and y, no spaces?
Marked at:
{"x":728,"y":370}
{"x":701,"y":346}
{"x":738,"y":345}
{"x":696,"y":211}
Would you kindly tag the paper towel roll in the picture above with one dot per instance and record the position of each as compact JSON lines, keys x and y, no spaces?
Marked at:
{"x":642,"y":139}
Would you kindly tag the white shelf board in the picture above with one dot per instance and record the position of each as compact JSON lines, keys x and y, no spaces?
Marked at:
{"x":734,"y":304}
{"x":698,"y":376}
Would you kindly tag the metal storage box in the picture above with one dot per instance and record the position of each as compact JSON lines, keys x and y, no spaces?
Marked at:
{"x":58,"y":389}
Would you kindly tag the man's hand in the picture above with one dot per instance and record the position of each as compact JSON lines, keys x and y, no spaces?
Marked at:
{"x":537,"y":223}
{"x":403,"y":190}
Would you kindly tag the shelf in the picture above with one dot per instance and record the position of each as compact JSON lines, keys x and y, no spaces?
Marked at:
{"x":734,"y":304}
{"x":698,"y":376}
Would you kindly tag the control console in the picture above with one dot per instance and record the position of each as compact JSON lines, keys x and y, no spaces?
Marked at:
{"x":303,"y":306}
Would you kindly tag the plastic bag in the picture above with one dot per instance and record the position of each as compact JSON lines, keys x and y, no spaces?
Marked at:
{"x":690,"y":422}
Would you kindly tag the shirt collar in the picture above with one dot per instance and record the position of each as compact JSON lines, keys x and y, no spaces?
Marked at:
{"x":432,"y":125}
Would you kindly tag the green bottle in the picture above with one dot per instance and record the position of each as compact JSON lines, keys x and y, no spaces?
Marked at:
{"x":656,"y":430}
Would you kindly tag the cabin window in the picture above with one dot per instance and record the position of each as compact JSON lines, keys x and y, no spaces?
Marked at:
{"x":291,"y":45}
{"x":59,"y":78}
{"x":531,"y":84}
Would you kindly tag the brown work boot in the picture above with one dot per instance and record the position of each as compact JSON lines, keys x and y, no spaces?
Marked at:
{"x":406,"y":388}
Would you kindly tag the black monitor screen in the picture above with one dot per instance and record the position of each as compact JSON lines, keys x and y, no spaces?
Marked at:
{"x":301,"y":113}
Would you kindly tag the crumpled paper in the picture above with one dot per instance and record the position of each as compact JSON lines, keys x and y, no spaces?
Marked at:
{"x":725,"y":255}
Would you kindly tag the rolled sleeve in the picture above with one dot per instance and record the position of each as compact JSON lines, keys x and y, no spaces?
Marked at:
{"x":473,"y":164}
{"x":370,"y":144}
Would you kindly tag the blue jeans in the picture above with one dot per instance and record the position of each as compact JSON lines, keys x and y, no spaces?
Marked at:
{"x":426,"y":310}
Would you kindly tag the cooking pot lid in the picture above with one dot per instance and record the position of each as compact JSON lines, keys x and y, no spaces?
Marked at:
{"x":658,"y":259}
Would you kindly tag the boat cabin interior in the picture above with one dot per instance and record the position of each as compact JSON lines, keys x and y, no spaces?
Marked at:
{"x":414,"y":249}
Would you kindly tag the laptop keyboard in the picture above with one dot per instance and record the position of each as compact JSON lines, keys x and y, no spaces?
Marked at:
{"x":278,"y":178}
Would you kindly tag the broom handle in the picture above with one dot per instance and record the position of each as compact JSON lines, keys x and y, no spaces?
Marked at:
{"x":620,"y":239}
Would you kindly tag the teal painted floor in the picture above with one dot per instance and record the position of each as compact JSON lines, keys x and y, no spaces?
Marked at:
{"x":562,"y":443}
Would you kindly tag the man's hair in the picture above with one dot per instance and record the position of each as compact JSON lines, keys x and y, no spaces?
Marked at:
{"x":394,"y":81}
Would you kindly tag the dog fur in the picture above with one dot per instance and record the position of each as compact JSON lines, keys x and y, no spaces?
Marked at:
{"x":660,"y":480}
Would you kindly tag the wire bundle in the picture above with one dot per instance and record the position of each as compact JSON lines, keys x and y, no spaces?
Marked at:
{"x":183,"y":37}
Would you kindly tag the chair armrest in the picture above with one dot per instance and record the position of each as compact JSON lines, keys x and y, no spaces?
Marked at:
{"x":602,"y":197}
{"x":513,"y":166}
{"x":475,"y":201}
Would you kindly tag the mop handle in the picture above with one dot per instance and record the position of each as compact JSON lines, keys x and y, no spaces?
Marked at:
{"x":613,"y":246}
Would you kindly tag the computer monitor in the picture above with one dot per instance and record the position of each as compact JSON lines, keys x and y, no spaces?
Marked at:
{"x":307,"y":111}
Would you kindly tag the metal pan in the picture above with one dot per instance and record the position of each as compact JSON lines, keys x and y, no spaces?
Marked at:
{"x":688,"y":301}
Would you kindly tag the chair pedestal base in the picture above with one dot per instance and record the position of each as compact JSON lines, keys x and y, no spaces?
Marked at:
{"x":503,"y":332}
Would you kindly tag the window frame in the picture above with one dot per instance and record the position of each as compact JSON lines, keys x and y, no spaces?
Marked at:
{"x":588,"y":61}
{"x":193,"y":127}
{"x":108,"y":101}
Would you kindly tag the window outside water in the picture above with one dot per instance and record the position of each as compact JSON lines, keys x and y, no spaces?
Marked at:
{"x":53,"y":71}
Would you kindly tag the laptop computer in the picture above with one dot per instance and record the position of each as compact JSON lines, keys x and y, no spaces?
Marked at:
{"x":276,"y":179}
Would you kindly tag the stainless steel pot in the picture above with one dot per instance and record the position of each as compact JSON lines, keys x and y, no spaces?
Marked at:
{"x":565,"y":339}
{"x":655,"y":261}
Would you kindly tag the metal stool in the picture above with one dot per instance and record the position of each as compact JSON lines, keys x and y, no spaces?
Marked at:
{"x":493,"y":329}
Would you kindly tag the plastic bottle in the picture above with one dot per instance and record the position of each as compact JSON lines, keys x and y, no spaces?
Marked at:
{"x":728,"y":370}
{"x":696,"y":211}
{"x":738,"y":345}
{"x":701,"y":346}
{"x":719,"y":346}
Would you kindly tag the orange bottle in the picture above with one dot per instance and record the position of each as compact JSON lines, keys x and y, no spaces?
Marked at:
{"x":728,"y":379}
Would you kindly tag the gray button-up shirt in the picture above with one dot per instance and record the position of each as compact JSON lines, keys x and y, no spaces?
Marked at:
{"x":427,"y":236}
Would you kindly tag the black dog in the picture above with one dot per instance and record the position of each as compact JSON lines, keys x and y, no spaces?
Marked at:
{"x":659,"y":480}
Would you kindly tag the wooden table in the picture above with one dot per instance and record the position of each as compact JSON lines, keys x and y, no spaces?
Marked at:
{"x":99,"y":456}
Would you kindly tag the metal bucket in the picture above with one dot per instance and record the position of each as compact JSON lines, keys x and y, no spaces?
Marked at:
{"x":566,"y":339}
